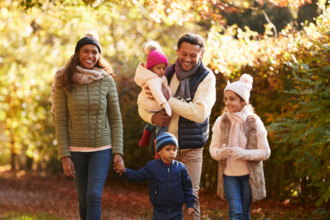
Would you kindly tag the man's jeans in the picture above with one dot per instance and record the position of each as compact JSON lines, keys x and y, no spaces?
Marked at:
{"x":91,"y":172}
{"x":164,"y":215}
{"x":238,"y":194}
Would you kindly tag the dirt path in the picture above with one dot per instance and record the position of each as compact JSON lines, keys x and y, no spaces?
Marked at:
{"x":58,"y":196}
{"x":33,"y":194}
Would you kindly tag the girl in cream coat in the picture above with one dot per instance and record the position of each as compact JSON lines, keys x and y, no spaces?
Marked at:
{"x":239,"y":143}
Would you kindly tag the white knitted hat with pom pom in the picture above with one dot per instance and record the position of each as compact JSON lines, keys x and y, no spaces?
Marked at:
{"x":241,"y":87}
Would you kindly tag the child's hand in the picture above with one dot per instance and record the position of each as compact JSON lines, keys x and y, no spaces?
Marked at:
{"x":226,"y":152}
{"x":238,"y":153}
{"x":190,"y":210}
{"x":121,"y":168}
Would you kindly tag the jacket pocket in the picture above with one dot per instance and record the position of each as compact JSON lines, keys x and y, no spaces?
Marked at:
{"x":153,"y":192}
{"x":179,"y":197}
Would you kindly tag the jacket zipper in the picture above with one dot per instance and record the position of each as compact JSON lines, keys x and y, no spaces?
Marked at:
{"x":169,"y":190}
{"x":106,"y":116}
{"x":89,"y":132}
{"x":179,"y":138}
{"x":70,"y":120}
{"x":98,"y":108}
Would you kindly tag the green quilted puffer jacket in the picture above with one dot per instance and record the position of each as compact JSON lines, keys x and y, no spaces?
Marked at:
{"x":89,"y":116}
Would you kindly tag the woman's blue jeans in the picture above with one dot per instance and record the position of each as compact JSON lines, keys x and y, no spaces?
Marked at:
{"x":238,"y":194}
{"x":91,"y":172}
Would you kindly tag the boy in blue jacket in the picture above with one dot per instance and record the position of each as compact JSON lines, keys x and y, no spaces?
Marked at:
{"x":170,"y":185}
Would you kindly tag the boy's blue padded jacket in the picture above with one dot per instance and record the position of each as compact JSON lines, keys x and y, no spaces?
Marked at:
{"x":169,"y":187}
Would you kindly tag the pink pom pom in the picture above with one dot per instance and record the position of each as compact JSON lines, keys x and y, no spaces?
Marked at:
{"x":246,"y":78}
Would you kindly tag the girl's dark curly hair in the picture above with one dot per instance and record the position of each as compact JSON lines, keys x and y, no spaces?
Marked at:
{"x":66,"y":78}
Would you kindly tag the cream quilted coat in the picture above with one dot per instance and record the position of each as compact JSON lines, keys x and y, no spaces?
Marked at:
{"x":146,"y":78}
{"x":89,"y":116}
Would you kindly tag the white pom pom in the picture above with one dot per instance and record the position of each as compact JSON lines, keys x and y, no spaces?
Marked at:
{"x":246,"y":78}
{"x":92,"y":33}
{"x":150,"y":46}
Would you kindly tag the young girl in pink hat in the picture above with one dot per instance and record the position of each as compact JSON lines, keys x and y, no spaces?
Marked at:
{"x":239,"y":143}
{"x":152,"y":76}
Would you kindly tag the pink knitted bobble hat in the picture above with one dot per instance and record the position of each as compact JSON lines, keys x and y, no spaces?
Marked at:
{"x":155,"y":54}
{"x":241,"y":87}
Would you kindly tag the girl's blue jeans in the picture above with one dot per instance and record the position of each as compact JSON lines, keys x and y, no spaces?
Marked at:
{"x":238,"y":194}
{"x":91,"y":172}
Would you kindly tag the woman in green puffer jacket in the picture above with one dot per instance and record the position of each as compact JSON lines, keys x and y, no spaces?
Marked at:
{"x":88,"y":122}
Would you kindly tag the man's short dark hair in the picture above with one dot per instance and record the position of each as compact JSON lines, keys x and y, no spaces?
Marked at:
{"x":193,"y":39}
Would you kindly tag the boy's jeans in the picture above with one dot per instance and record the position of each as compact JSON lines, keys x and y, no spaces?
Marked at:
{"x":91,"y":172}
{"x":164,"y":215}
{"x":238,"y":194}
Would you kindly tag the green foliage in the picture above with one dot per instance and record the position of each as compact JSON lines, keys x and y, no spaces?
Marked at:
{"x":37,"y":42}
{"x":291,"y":95}
{"x":26,"y":216}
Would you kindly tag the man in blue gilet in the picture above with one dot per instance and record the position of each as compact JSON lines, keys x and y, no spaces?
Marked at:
{"x":193,"y":86}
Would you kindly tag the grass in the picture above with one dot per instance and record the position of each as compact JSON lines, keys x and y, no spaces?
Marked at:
{"x":29,"y":216}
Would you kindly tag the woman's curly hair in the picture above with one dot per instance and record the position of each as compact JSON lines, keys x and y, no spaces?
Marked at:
{"x":70,"y":68}
{"x":66,"y":78}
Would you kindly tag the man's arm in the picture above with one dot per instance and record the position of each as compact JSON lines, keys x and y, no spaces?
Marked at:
{"x":159,"y":118}
{"x":145,"y":115}
{"x":200,"y":108}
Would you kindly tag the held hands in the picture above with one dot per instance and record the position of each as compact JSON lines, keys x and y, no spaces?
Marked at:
{"x":68,"y":167}
{"x":118,"y":164}
{"x":190,"y":210}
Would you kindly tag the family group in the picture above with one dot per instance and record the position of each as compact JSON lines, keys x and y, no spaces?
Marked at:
{"x":175,"y":102}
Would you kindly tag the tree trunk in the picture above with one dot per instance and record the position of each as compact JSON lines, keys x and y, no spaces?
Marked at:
{"x":13,"y":156}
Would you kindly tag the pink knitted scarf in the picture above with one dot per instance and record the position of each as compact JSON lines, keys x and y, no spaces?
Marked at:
{"x":237,"y":137}
{"x":83,"y":76}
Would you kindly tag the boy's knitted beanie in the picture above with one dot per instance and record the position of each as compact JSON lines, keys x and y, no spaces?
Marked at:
{"x":165,"y":139}
{"x":155,"y":54}
{"x":241,"y":87}
{"x":91,"y":37}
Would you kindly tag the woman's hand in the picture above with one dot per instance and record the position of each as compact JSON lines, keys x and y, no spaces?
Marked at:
{"x":190,"y":210}
{"x":68,"y":166}
{"x":118,"y":164}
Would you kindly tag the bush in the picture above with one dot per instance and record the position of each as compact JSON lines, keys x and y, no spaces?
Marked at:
{"x":291,"y":95}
